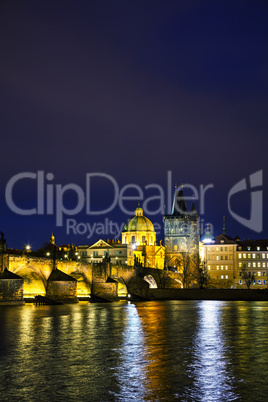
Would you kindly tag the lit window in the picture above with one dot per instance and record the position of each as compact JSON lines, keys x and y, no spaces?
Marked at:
{"x":221,"y":266}
{"x":240,"y":255}
{"x":259,"y":264}
{"x":258,"y":248}
{"x":217,"y":248}
{"x":249,"y":264}
{"x":249,"y":255}
{"x":222,"y":276}
{"x":254,"y":264}
{"x":253,"y":255}
{"x":226,"y":266}
{"x":218,"y":267}
{"x":226,"y":276}
{"x":208,"y":248}
{"x":217,"y":257}
{"x":244,"y":255}
{"x":240,"y":282}
{"x":240,"y":264}
{"x":263,"y":255}
{"x":259,"y":273}
{"x":209,"y":267}
{"x":248,"y":248}
{"x":259,"y":282}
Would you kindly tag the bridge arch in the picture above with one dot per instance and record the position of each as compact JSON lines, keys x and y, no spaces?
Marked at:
{"x":151,"y":280}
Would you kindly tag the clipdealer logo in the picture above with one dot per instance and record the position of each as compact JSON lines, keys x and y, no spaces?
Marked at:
{"x":51,"y":199}
{"x":50,"y":196}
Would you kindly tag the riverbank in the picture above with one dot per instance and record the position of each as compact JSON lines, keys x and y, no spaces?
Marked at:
{"x":204,"y":294}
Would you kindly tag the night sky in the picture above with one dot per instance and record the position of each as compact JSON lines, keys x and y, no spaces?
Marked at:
{"x":132,"y":89}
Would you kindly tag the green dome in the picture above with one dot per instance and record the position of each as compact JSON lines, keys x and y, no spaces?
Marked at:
{"x":139,"y":223}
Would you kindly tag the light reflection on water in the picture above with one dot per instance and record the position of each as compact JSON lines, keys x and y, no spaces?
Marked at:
{"x":147,"y":351}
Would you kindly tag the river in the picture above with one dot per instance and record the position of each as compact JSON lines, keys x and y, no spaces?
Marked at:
{"x":143,"y":351}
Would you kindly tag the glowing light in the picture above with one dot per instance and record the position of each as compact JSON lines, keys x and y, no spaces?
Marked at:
{"x":134,"y":246}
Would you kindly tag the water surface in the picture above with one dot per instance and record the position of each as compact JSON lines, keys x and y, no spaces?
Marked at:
{"x":144,"y":351}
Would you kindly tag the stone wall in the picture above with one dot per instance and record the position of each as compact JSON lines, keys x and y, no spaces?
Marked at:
{"x":11,"y":291}
{"x":63,"y":291}
{"x":105,"y":290}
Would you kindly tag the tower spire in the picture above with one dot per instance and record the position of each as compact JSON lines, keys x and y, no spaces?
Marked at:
{"x":223,"y":226}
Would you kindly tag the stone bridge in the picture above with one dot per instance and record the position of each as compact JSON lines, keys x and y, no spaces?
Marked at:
{"x":36,"y":271}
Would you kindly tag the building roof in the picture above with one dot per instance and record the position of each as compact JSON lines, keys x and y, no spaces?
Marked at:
{"x":252,"y":245}
{"x":9,"y":275}
{"x":57,"y":275}
{"x":224,"y":239}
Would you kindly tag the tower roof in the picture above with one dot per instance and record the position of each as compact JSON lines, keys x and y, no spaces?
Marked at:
{"x":139,"y":223}
{"x":179,"y":207}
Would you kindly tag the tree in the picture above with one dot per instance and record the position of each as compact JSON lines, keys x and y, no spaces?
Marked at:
{"x":248,"y":276}
{"x":199,"y":271}
{"x":185,"y":268}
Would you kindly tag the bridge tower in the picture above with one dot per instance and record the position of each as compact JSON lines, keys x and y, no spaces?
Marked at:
{"x":181,"y":229}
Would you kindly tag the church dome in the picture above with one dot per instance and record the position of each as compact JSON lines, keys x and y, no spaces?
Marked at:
{"x":139,"y":223}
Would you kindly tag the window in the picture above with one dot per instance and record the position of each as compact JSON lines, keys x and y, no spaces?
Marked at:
{"x":226,"y":266}
{"x":208,"y":248}
{"x":95,"y":253}
{"x":143,"y":239}
{"x":259,"y":264}
{"x":258,"y":248}
{"x":254,"y":264}
{"x":259,"y":282}
{"x":264,"y":282}
{"x":209,"y":257}
{"x":226,"y":276}
{"x":221,"y":266}
{"x":263,"y":264}
{"x":263,"y":274}
{"x":249,"y":255}
{"x":222,"y":276}
{"x":226,"y":248}
{"x":132,"y":239}
{"x":239,"y":255}
{"x":249,"y":264}
{"x":209,"y":267}
{"x":226,"y":257}
{"x":221,"y":248}
{"x":240,"y":264}
{"x":240,"y":282}
{"x":248,"y":248}
{"x":244,"y":255}
{"x":253,"y":255}
{"x":217,"y":248}
{"x":175,"y":247}
{"x":263,"y":255}
{"x":217,"y":258}
{"x":221,"y":257}
{"x":259,"y":273}
{"x":218,"y":267}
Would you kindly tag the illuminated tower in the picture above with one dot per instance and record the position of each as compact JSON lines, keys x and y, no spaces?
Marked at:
{"x":181,"y":230}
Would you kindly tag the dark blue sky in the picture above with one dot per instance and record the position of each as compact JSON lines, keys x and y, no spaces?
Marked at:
{"x":133,"y":90}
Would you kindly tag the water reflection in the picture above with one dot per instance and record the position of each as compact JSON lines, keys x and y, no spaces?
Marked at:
{"x":213,"y":380}
{"x":148,"y":351}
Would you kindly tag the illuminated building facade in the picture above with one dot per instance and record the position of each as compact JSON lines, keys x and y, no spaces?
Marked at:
{"x":99,"y":251}
{"x":181,"y":231}
{"x":140,"y":236}
{"x":219,"y":253}
{"x":253,"y":256}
